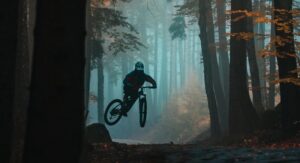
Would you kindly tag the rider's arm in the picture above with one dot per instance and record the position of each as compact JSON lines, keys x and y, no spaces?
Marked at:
{"x":151,"y":80}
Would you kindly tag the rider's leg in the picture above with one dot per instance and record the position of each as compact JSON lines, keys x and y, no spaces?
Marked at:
{"x":129,"y":100}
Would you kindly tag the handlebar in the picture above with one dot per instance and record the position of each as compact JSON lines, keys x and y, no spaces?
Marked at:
{"x":148,"y":87}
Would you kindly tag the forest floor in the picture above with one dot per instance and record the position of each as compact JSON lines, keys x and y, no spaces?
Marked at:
{"x":246,"y":150}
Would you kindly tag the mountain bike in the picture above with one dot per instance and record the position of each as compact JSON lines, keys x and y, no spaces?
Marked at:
{"x":113,"y":111}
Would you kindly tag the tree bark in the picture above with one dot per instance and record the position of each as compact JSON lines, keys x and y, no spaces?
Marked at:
{"x":255,"y":78}
{"x":272,"y":60}
{"x":206,"y":53}
{"x":182,"y":61}
{"x":242,"y":116}
{"x":155,"y":69}
{"x":222,"y":104}
{"x":9,"y":12}
{"x":100,"y":97}
{"x":164,"y":64}
{"x":289,"y":93}
{"x":223,"y":54}
{"x":88,"y":55}
{"x":56,"y":108}
{"x":22,"y":81}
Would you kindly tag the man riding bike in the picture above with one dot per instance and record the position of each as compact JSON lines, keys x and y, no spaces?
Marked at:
{"x":132,"y":82}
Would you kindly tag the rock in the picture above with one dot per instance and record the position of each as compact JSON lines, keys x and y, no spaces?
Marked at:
{"x":97,"y":133}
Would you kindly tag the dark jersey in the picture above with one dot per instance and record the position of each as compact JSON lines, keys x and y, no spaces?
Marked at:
{"x":135,"y":79}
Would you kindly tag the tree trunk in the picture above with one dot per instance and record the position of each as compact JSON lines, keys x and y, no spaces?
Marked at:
{"x":171,"y":67}
{"x":100,"y":97}
{"x":242,"y":116}
{"x":255,"y":79}
{"x":88,"y":54}
{"x":182,"y":61}
{"x":261,"y":43}
{"x":22,"y":82}
{"x":9,"y":13}
{"x":289,"y":92}
{"x":155,"y":68}
{"x":163,"y":75}
{"x":223,"y":54}
{"x":56,"y":108}
{"x":271,"y":95}
{"x":206,"y":53}
{"x":222,"y":104}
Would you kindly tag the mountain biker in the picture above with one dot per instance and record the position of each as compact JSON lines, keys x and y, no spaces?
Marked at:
{"x":132,"y":83}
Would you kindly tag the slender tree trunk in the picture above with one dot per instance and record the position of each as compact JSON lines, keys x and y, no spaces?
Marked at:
{"x":289,"y":92}
{"x":9,"y":12}
{"x":22,"y":82}
{"x":259,"y":45}
{"x":194,"y":60}
{"x":100,"y":97}
{"x":242,"y":115}
{"x":163,"y":75}
{"x":174,"y":69}
{"x":222,"y":104}
{"x":182,"y":61}
{"x":223,"y":54}
{"x":208,"y":71}
{"x":255,"y":78}
{"x":262,"y":79}
{"x":272,"y":60}
{"x":88,"y":54}
{"x":171,"y":67}
{"x":155,"y":113}
{"x":223,"y":57}
{"x":56,"y":108}
{"x":271,"y":98}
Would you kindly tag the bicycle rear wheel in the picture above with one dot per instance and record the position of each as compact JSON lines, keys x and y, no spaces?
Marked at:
{"x":143,"y":111}
{"x":112,"y":112}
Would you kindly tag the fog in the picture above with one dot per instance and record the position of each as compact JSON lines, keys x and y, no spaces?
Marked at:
{"x":179,"y":102}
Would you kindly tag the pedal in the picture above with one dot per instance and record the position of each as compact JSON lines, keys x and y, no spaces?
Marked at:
{"x":124,"y":114}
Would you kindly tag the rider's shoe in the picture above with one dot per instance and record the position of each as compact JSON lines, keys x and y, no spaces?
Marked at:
{"x":124,"y":114}
{"x":124,"y":110}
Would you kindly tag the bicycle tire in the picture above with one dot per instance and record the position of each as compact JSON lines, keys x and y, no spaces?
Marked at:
{"x":143,"y":111}
{"x":108,"y":114}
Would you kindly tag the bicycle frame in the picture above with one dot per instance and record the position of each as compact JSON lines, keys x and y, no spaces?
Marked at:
{"x":141,"y":92}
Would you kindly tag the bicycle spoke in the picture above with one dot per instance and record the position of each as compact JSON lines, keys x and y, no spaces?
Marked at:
{"x":112,"y":112}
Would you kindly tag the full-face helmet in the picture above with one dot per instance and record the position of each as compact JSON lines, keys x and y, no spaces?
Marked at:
{"x":139,"y":66}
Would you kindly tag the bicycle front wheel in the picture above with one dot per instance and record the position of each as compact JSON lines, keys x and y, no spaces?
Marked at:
{"x":143,"y":111}
{"x":112,"y":112}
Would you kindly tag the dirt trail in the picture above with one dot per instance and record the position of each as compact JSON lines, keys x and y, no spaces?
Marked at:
{"x":122,"y":153}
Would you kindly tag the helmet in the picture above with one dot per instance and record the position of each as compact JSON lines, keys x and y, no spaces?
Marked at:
{"x":139,"y":66}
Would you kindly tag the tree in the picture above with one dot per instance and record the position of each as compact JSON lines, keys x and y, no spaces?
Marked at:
{"x":260,"y":8}
{"x":206,"y":53}
{"x":272,"y":60}
{"x":255,"y":78}
{"x":22,"y":79}
{"x":209,"y":53}
{"x":9,"y":12}
{"x":56,"y":108}
{"x":242,"y":116}
{"x":163,"y":74}
{"x":223,"y":50}
{"x":286,"y":60}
